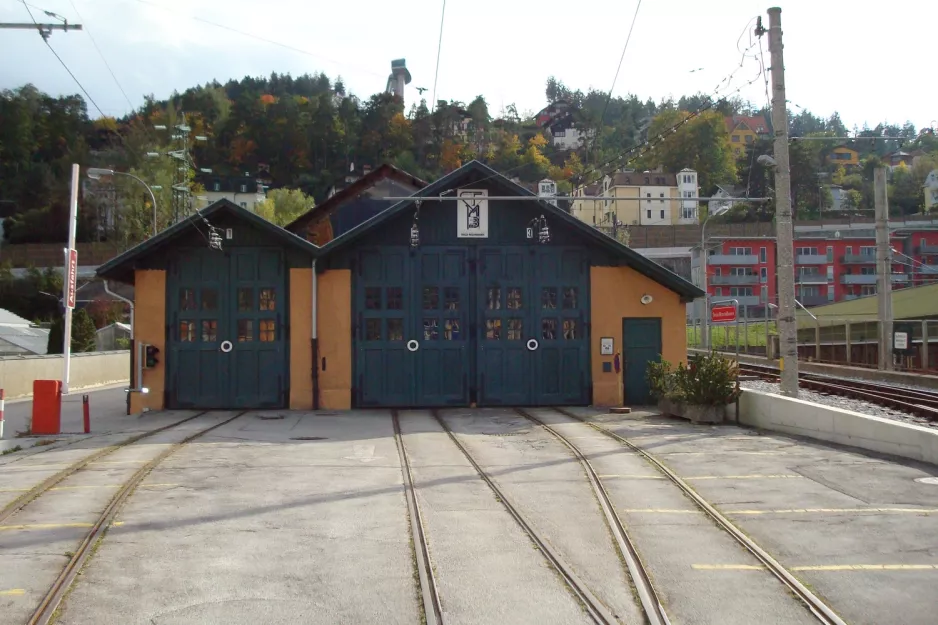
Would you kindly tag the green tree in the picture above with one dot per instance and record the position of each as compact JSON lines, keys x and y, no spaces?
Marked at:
{"x":284,"y":205}
{"x":56,"y":336}
{"x":83,"y":333}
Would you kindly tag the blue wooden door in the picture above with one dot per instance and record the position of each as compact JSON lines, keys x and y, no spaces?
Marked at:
{"x":504,"y":308}
{"x":226,"y":334}
{"x":384,"y":325}
{"x":442,"y":357}
{"x":641,"y":344}
{"x":561,"y":314}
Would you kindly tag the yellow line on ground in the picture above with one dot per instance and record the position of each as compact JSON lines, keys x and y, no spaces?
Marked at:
{"x":22,"y":490}
{"x":660,"y":511}
{"x":119,"y":462}
{"x":43,"y":526}
{"x":868,"y":567}
{"x":836,"y":510}
{"x":743,"y":477}
{"x":13,"y":592}
{"x":632,"y":477}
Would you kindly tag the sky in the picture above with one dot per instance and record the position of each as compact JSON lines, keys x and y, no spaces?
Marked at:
{"x":502,"y":49}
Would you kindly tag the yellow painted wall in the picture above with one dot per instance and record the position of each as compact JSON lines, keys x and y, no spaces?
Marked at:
{"x":854,"y":156}
{"x":301,"y":333}
{"x":335,"y":339}
{"x":627,"y":212}
{"x":150,"y":328}
{"x":615,"y":293}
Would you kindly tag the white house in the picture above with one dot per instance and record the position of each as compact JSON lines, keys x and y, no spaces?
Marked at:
{"x":724,"y":199}
{"x":655,"y":205}
{"x":687,"y":186}
{"x":931,"y":190}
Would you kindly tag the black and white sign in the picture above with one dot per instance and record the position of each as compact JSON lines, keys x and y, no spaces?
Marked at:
{"x":902,"y":341}
{"x":605,"y":346}
{"x":472,"y":214}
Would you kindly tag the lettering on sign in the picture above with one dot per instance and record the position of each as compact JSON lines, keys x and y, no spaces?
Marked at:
{"x":723,"y":314}
{"x":71,"y":278}
{"x":472,"y":214}
{"x":901,"y":340}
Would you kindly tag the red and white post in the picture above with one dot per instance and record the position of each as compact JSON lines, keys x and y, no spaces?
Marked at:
{"x":2,"y":395}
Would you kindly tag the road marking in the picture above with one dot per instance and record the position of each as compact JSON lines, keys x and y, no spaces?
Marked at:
{"x":723,"y":451}
{"x":632,"y":477}
{"x":23,"y":490}
{"x":836,"y":510}
{"x":660,"y":511}
{"x":744,"y":477}
{"x":43,"y":526}
{"x":823,"y":567}
{"x":119,"y":462}
{"x":13,"y":592}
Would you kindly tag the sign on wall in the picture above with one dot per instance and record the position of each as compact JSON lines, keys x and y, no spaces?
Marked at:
{"x":472,"y":214}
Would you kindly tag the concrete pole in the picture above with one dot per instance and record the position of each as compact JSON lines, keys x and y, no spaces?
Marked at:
{"x":884,"y":268}
{"x":705,"y":320}
{"x":787,"y":324}
{"x":847,"y":339}
{"x":72,"y":225}
{"x":925,"y":362}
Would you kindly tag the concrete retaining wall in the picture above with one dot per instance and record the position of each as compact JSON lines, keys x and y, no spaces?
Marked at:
{"x":835,"y":425}
{"x":87,"y":370}
{"x":861,"y":373}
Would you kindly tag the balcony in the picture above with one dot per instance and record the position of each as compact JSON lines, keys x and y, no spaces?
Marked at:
{"x":858,"y":259}
{"x":813,"y":300}
{"x":744,"y":300}
{"x":926,"y":269}
{"x":927,"y":249}
{"x":811,"y":278}
{"x":733,"y":259}
{"x":734,"y":280}
{"x":871,"y":278}
{"x":810,"y":259}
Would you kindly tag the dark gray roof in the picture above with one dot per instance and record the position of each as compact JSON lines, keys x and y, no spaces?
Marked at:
{"x":8,"y":318}
{"x":33,"y":340}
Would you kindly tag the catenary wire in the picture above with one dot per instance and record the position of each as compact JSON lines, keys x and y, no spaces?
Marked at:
{"x":439,"y":48}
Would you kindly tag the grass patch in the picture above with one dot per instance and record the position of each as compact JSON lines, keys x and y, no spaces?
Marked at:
{"x":11,"y":450}
{"x":725,"y":335}
{"x":44,"y":442}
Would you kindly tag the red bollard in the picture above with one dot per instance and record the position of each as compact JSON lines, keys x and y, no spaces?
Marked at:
{"x":86,"y":413}
{"x":2,"y":396}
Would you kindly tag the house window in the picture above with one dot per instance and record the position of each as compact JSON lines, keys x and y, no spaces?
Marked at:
{"x":662,"y":214}
{"x":763,"y":256}
{"x":217,"y":186}
{"x":649,"y":213}
{"x":244,"y":204}
{"x":735,"y":138}
{"x":718,"y":290}
{"x":244,"y":188}
{"x":661,"y":195}
{"x":647,"y":179}
{"x":748,"y":138}
{"x":763,"y":275}
{"x":830,"y":254}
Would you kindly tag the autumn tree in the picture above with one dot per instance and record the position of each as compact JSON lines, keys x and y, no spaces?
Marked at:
{"x":282,"y":206}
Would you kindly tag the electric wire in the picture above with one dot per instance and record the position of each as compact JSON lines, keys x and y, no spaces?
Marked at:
{"x":101,"y":54}
{"x":439,"y":48}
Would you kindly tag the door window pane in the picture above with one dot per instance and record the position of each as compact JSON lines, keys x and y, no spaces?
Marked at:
{"x":209,"y":330}
{"x":493,"y":329}
{"x":268,"y":299}
{"x":514,"y":298}
{"x":548,"y":329}
{"x":451,"y":298}
{"x":187,"y":331}
{"x":187,"y":299}
{"x":431,"y":329}
{"x":373,"y":298}
{"x":451,"y":329}
{"x":569,"y":297}
{"x":569,"y":329}
{"x":266,"y":330}
{"x":515,"y":329}
{"x":494,"y":298}
{"x":246,"y":300}
{"x":245,"y":329}
{"x":395,"y":329}
{"x":209,"y":299}
{"x":372,"y":329}
{"x":431,"y":298}
{"x":549,"y":298}
{"x":395,"y":298}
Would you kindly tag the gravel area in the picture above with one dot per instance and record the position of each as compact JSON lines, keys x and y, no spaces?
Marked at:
{"x":846,"y":403}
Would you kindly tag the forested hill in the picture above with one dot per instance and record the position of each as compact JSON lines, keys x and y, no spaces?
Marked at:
{"x":309,"y":132}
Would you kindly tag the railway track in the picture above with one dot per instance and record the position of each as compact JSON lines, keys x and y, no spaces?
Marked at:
{"x":45,"y":611}
{"x":915,"y":401}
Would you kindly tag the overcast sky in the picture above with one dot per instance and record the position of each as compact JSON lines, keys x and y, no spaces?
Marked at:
{"x":868,"y":62}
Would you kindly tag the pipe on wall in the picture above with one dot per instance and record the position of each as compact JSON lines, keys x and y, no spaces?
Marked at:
{"x":314,"y":343}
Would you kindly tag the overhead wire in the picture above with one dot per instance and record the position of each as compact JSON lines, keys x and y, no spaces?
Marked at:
{"x":101,"y":54}
{"x":439,"y":48}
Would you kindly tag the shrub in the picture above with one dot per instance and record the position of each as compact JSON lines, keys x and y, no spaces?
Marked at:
{"x":707,"y":380}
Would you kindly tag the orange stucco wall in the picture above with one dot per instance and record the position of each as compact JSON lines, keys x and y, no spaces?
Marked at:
{"x":301,"y":324}
{"x":335,"y":339}
{"x":616,"y":293}
{"x":150,"y":328}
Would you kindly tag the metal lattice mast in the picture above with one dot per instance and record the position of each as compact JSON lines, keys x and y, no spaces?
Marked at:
{"x":182,"y":200}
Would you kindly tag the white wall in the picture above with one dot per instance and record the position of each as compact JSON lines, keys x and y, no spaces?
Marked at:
{"x":660,"y":210}
{"x":87,"y":370}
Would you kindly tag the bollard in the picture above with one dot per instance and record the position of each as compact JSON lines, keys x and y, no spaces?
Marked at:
{"x":2,"y":395}
{"x":86,"y":413}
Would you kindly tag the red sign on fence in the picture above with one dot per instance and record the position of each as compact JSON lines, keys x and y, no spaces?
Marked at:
{"x":71,"y":277}
{"x":723,"y":314}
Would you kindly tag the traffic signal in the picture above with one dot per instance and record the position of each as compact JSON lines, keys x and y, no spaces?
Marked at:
{"x":152,"y":353}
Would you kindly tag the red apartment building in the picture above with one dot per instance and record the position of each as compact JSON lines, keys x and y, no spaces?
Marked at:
{"x":829,"y":266}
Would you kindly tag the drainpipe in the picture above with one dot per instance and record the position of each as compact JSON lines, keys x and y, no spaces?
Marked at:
{"x":127,"y":301}
{"x":314,"y":343}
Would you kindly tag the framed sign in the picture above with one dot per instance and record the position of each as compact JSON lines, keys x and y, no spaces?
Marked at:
{"x":472,"y":214}
{"x":606,"y":346}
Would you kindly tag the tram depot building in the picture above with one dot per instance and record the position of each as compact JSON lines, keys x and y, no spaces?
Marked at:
{"x":456,"y":301}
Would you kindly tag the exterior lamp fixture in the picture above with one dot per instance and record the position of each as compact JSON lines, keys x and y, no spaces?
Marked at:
{"x":539,"y":225}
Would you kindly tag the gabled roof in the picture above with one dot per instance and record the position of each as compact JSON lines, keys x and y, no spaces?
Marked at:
{"x":633,"y":259}
{"x":117,"y":267}
{"x":366,"y":181}
{"x":11,"y":319}
{"x":33,"y":340}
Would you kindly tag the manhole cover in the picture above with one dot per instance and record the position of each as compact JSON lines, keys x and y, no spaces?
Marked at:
{"x":308,"y":438}
{"x":928,"y":480}
{"x":270,"y":417}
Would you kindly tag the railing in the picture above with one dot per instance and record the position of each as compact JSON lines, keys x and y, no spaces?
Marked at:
{"x":814,"y":300}
{"x":861,"y":259}
{"x":926,"y":249}
{"x":744,"y":279}
{"x":744,"y":300}
{"x":811,"y":278}
{"x":733,"y":259}
{"x":810,"y":259}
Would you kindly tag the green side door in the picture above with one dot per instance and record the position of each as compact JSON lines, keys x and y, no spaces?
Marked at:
{"x":641,"y":344}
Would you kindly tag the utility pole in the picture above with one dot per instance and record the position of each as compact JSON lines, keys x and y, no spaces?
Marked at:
{"x":44,"y":29}
{"x":883,"y":268}
{"x":787,"y":322}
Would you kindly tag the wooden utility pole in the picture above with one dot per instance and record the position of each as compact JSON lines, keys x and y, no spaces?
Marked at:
{"x":883,"y":268}
{"x":787,"y":321}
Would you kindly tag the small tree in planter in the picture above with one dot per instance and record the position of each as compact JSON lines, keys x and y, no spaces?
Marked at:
{"x":698,"y":392}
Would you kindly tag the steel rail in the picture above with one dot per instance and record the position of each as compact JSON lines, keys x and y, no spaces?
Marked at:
{"x":46,"y":610}
{"x":817,"y":607}
{"x":432,"y":610}
{"x":593,"y":606}
{"x":651,"y":603}
{"x":23,"y":500}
